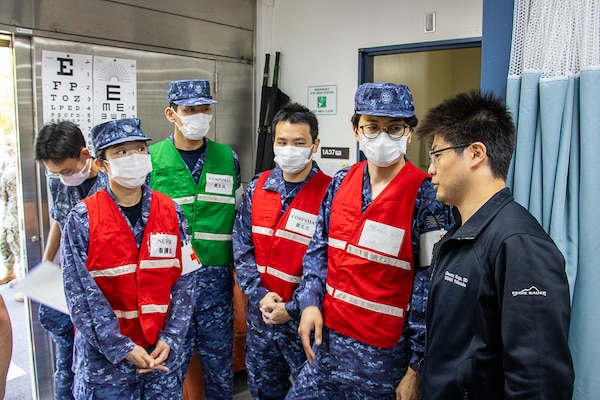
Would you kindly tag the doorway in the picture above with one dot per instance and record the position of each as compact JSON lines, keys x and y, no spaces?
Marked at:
{"x":433,"y":71}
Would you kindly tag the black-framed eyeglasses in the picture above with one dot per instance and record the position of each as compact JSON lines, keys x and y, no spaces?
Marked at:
{"x":434,"y":153}
{"x":394,"y":131}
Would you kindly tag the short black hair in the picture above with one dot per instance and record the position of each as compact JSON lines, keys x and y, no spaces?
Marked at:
{"x":57,"y":142}
{"x":474,"y":117}
{"x":296,"y":113}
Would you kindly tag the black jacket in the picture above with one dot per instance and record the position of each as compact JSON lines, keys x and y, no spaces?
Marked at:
{"x":498,"y":310}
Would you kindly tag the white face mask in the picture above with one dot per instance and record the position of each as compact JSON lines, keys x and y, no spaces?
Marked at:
{"x":195,"y":126}
{"x":78,"y":177}
{"x":292,"y":159}
{"x":383,"y":151}
{"x":130,"y":171}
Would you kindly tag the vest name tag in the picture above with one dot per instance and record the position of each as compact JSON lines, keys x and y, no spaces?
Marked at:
{"x":162,"y":245}
{"x":221,"y":184}
{"x":381,"y":237}
{"x":301,"y":222}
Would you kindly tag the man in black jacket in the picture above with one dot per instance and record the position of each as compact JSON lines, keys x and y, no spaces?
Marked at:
{"x":498,"y":310}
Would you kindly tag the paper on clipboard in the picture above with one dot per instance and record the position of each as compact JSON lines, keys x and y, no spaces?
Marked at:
{"x":44,"y":284}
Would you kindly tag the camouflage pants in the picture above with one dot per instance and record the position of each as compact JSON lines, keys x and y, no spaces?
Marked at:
{"x":345,"y":369}
{"x":150,"y":386}
{"x":211,"y":330}
{"x":10,"y":247}
{"x":273,"y":354}
{"x":61,"y":329}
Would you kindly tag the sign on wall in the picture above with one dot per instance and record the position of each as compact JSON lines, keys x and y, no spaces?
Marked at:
{"x":322,"y":100}
{"x":87,"y":90}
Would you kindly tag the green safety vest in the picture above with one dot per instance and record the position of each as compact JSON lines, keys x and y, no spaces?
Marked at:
{"x":209,"y":206}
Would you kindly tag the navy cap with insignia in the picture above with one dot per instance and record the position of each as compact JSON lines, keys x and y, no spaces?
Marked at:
{"x":118,"y":131}
{"x":190,"y":93}
{"x":384,"y":100}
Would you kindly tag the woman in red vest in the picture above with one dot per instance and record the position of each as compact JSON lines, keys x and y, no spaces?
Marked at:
{"x":123,"y":279}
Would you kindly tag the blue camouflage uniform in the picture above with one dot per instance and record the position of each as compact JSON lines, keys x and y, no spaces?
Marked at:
{"x":101,"y":370}
{"x":345,"y":368}
{"x":58,"y":324}
{"x":273,"y":352}
{"x":211,"y":326}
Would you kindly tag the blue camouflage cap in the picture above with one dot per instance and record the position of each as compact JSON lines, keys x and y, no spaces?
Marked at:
{"x":384,"y":100}
{"x":190,"y":92}
{"x":118,"y":131}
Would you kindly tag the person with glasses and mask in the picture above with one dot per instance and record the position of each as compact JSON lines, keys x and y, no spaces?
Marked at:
{"x":203,"y":176}
{"x":122,"y":269}
{"x":364,"y":285}
{"x":273,"y":227}
{"x":72,"y":176}
{"x":499,"y":305}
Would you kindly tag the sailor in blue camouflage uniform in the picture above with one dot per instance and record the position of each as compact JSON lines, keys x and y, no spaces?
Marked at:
{"x":72,"y":176}
{"x":269,"y":245}
{"x":340,"y":365}
{"x":203,"y":176}
{"x":107,"y":363}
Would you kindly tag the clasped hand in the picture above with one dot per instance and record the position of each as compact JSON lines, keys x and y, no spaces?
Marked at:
{"x":145,"y":362}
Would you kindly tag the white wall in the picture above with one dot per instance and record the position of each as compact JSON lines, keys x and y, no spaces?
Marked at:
{"x":319,"y":42}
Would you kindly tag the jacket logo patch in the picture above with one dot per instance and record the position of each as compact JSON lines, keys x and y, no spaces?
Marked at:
{"x":456,"y":279}
{"x":532,"y":291}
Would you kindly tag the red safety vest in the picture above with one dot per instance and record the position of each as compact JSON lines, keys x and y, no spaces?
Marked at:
{"x":370,"y":262}
{"x":136,"y":283}
{"x":280,"y":241}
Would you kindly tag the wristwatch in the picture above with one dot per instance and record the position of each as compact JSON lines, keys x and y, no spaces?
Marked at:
{"x":418,"y":366}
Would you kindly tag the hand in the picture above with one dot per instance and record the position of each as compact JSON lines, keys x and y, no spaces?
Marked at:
{"x":408,"y":388}
{"x":160,"y":353}
{"x":275,"y":313}
{"x":144,"y":361}
{"x":269,"y":298}
{"x":311,"y":320}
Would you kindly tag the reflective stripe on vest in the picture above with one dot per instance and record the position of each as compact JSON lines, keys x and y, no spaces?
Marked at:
{"x":166,"y":263}
{"x":184,"y":200}
{"x":209,"y":198}
{"x":155,"y":308}
{"x":364,"y":303}
{"x":279,"y":274}
{"x":116,"y":271}
{"x":212,"y":236}
{"x":261,"y":230}
{"x":126,"y":314}
{"x":367,"y":254}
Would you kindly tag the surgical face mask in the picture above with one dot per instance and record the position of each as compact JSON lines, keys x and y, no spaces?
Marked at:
{"x":292,"y":159}
{"x":78,"y":178}
{"x":383,"y":151}
{"x":130,"y":171}
{"x":195,"y":126}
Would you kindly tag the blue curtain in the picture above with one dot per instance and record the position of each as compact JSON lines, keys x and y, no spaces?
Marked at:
{"x":555,"y":171}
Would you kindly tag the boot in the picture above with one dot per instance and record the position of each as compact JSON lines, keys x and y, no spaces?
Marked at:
{"x":10,"y":275}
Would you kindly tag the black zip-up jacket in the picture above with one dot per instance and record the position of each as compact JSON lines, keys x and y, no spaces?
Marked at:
{"x":498,"y":310}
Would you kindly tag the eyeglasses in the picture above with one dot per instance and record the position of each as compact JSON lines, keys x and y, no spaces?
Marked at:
{"x":394,"y":131}
{"x":74,"y":171}
{"x":434,"y":154}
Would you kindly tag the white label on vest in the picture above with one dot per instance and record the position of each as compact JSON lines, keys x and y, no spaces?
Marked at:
{"x":189,"y":259}
{"x":301,"y":222}
{"x":381,"y":237}
{"x":222,"y":184}
{"x":162,"y":245}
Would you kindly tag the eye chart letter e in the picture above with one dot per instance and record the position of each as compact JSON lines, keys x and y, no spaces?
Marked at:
{"x":115,"y":89}
{"x":67,"y":88}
